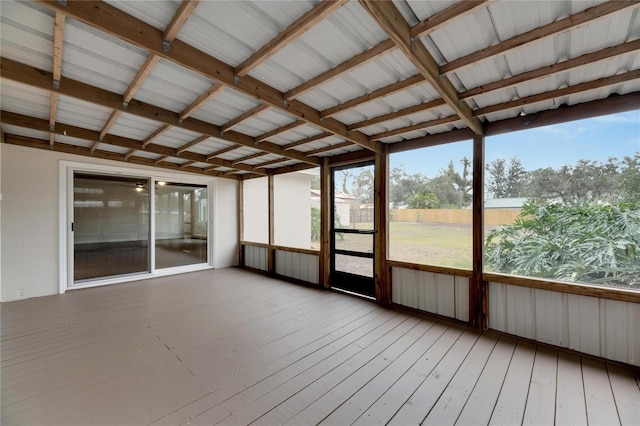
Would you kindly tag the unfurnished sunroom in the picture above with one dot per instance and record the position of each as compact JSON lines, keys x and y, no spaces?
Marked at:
{"x":464,"y":176}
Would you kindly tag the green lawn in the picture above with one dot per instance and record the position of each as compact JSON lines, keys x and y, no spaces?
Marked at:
{"x":422,"y":243}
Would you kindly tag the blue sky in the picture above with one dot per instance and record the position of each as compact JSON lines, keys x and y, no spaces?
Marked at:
{"x":616,"y":135}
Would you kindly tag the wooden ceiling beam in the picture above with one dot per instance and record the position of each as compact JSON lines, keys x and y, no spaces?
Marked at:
{"x":131,"y":144}
{"x":292,"y":168}
{"x":249,"y":157}
{"x":417,"y":126}
{"x":549,"y":70}
{"x":58,"y":41}
{"x":279,"y":130}
{"x":144,"y":71}
{"x":119,"y":24}
{"x":554,"y":28}
{"x":159,"y":131}
{"x":345,"y":67}
{"x":376,"y":94}
{"x":110,"y":121}
{"x":79,"y":150}
{"x":270,"y":163}
{"x":183,"y":13}
{"x":306,"y":140}
{"x":129,"y":154}
{"x":193,"y":143}
{"x":222,"y":151}
{"x":295,"y":30}
{"x":244,"y":116}
{"x":398,"y":114}
{"x":566,"y":91}
{"x":201,"y":100}
{"x":187,"y":164}
{"x":389,"y":18}
{"x":447,"y":16}
{"x":160,"y":160}
{"x":42,"y":79}
{"x":329,"y":148}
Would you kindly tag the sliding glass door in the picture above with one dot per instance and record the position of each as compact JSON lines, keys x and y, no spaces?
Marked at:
{"x":181,"y":224}
{"x":111,"y":226}
{"x":115,"y":235}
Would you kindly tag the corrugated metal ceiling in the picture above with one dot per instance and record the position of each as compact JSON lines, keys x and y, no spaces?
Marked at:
{"x":233,"y":31}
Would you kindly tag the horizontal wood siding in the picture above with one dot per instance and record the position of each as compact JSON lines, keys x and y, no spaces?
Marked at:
{"x":440,"y":294}
{"x":300,"y":266}
{"x":256,"y":257}
{"x":601,"y":327}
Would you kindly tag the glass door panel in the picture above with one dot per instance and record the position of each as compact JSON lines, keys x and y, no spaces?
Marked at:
{"x":181,"y":220}
{"x":111,"y":226}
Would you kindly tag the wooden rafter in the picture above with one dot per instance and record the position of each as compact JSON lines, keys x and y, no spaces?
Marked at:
{"x":130,"y":153}
{"x":566,"y":91}
{"x":58,"y":41}
{"x":222,"y":151}
{"x":393,"y":23}
{"x":329,"y":148}
{"x":183,"y":13}
{"x":118,"y":24}
{"x":306,"y":140}
{"x":131,"y":144}
{"x":193,"y":143}
{"x":140,"y":77}
{"x":80,"y":150}
{"x":376,"y":94}
{"x":160,"y":160}
{"x":548,"y":70}
{"x":201,"y":100}
{"x":447,"y":16}
{"x":554,"y":28}
{"x":270,"y":163}
{"x":357,"y":61}
{"x":397,"y":114}
{"x":187,"y":164}
{"x":295,"y":30}
{"x":112,"y":119}
{"x":417,"y":126}
{"x":159,"y":131}
{"x":42,"y":79}
{"x":244,"y":116}
{"x":249,"y":157}
{"x":279,"y":130}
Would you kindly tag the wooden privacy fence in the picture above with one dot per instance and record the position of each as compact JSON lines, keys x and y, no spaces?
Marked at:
{"x":492,"y":217}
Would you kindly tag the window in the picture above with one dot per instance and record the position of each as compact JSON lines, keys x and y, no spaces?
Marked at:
{"x":571,"y":216}
{"x":430,"y":205}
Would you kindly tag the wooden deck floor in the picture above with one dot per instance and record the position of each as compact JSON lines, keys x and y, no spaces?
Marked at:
{"x":234,"y":347}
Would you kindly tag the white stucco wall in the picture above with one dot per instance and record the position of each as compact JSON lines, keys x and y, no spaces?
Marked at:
{"x":292,"y":210}
{"x":29,"y":184}
{"x":255,"y":199}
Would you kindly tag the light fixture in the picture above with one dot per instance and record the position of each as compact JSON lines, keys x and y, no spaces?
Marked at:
{"x":161,"y":183}
{"x":139,"y":187}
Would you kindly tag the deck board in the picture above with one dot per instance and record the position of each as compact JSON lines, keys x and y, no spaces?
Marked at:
{"x":235,"y":347}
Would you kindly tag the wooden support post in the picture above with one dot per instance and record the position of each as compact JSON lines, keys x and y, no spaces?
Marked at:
{"x":325,"y":224}
{"x":383,"y":289}
{"x":240,"y":222}
{"x":271,"y":254}
{"x":477,"y":287}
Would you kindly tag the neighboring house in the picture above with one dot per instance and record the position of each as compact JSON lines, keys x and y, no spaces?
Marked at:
{"x":344,"y":204}
{"x":505,"y":203}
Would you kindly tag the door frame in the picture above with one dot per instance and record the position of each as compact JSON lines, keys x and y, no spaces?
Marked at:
{"x":360,"y":284}
{"x":65,"y":219}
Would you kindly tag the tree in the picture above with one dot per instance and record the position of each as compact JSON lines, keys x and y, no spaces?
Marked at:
{"x":506,"y":181}
{"x":425,"y":200}
{"x":497,"y":179}
{"x":628,"y":183}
